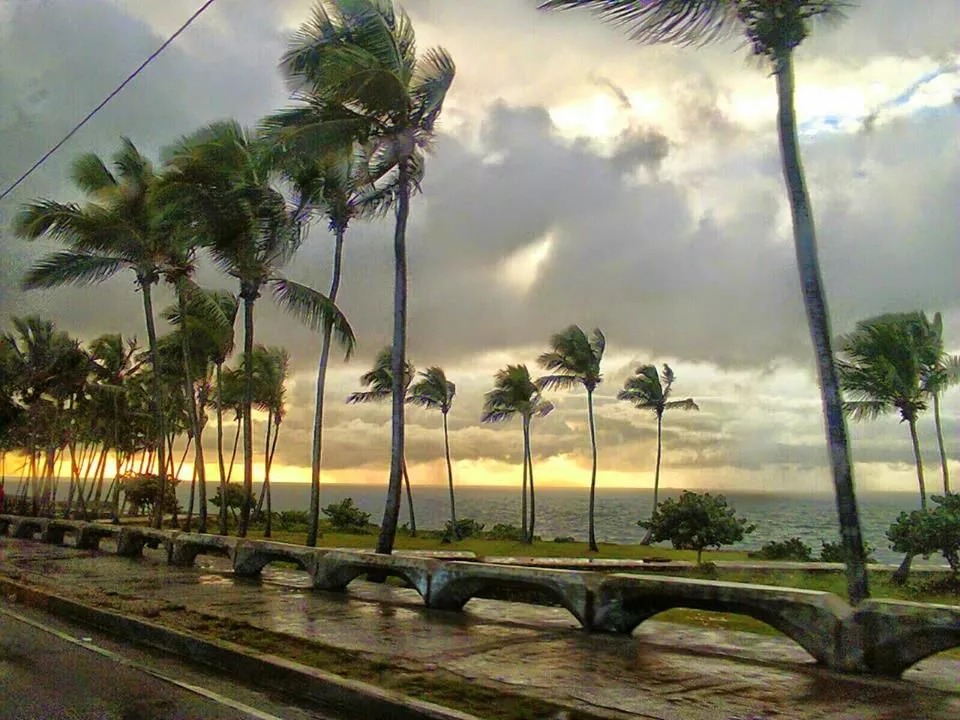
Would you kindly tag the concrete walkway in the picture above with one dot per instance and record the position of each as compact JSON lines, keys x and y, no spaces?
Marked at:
{"x":664,"y":671}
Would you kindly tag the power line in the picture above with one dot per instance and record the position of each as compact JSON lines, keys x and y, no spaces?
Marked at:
{"x":109,"y":97}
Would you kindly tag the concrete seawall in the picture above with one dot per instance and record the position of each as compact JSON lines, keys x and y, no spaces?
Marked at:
{"x":878,"y":637}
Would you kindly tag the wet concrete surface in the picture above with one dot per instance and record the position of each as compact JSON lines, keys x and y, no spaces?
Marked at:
{"x":664,"y":670}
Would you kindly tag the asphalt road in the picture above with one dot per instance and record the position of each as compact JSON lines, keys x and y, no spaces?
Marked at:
{"x":47,"y":673}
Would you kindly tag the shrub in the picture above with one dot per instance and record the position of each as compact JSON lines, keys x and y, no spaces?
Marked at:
{"x":934,"y":531}
{"x":142,"y":491}
{"x":292,"y":519}
{"x":565,"y":539}
{"x":466,"y":527}
{"x":504,"y":531}
{"x":346,"y":516}
{"x":834,"y":552}
{"x":696,"y":522}
{"x":792,"y":549}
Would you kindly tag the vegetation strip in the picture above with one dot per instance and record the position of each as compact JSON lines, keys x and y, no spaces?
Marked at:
{"x":366,"y":685}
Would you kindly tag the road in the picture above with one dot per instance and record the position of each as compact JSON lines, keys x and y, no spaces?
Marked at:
{"x":52,"y":671}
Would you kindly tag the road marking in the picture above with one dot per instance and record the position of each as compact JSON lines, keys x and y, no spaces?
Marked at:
{"x":120,"y":659}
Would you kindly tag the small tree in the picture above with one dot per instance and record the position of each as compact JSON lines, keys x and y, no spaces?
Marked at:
{"x":141,"y":493}
{"x":235,"y":498}
{"x":834,"y":552}
{"x":347,"y":516}
{"x":696,"y":522}
{"x":934,"y":531}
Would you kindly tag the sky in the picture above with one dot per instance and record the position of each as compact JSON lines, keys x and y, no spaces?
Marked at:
{"x":578,"y":178}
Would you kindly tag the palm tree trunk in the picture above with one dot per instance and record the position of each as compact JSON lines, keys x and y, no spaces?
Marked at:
{"x":523,"y":497}
{"x":453,"y":500}
{"x":818,"y":318}
{"x":391,"y":512}
{"x":236,"y":446}
{"x":159,"y":417}
{"x":413,"y":517}
{"x":200,"y":472}
{"x":266,"y":468}
{"x":248,"y":302}
{"x":223,"y":470}
{"x":912,"y":423}
{"x":190,"y":502}
{"x":314,"y":522}
{"x":268,"y":530}
{"x":528,"y":459}
{"x":648,"y":536}
{"x":945,"y":471}
{"x":593,"y":474}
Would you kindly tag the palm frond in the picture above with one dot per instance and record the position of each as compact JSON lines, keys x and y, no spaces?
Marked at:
{"x":433,"y":390}
{"x":866,"y":409}
{"x":682,"y":22}
{"x":559,"y":382}
{"x":315,"y":310}
{"x":361,"y":397}
{"x":92,"y":176}
{"x":71,"y":268}
{"x":434,"y":76}
{"x":687,"y":404}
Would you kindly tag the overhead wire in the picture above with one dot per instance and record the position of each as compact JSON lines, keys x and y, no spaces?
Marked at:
{"x":46,"y":156}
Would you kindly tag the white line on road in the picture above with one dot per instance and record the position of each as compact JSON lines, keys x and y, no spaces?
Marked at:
{"x":196,"y":689}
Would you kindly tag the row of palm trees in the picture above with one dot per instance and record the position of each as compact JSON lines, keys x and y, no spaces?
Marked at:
{"x":66,"y":405}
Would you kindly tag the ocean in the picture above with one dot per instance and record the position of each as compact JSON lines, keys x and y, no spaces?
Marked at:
{"x":562,"y":512}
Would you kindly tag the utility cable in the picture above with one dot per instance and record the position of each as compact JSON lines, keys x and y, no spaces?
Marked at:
{"x":111,"y":96}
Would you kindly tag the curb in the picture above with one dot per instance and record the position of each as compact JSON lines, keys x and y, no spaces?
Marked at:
{"x":353,"y":698}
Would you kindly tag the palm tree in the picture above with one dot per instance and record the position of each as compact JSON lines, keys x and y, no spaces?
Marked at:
{"x":883,"y":366}
{"x":223,"y":179}
{"x":574,"y":359}
{"x":649,"y":391}
{"x":362,"y":81}
{"x":515,"y":393}
{"x":331,"y":185}
{"x":435,"y":392}
{"x":774,"y":30}
{"x":944,"y":373}
{"x":380,"y":381}
{"x":115,"y":231}
{"x":271,"y":368}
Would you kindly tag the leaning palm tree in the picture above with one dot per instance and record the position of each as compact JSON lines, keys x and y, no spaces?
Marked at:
{"x":222,"y":179}
{"x":435,"y":392}
{"x":882,"y":369}
{"x":573,"y":360}
{"x":943,"y":374}
{"x":116,"y":230}
{"x":649,"y":391}
{"x":271,"y":369}
{"x":380,"y":381}
{"x":356,"y":69}
{"x":774,"y":29}
{"x":515,"y":393}
{"x":333,"y":185}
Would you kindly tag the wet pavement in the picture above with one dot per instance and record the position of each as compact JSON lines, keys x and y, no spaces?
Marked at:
{"x":664,"y":670}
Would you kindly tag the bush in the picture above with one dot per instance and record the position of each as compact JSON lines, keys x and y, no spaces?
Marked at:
{"x":142,"y":491}
{"x":346,"y":516}
{"x":833,"y":552}
{"x":292,"y":519}
{"x":565,"y":539}
{"x":505,"y":531}
{"x":696,"y":522}
{"x":792,"y":549}
{"x":466,"y":527}
{"x":934,"y":531}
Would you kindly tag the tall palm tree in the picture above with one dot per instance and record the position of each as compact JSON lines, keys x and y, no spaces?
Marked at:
{"x":515,"y":393}
{"x":943,"y":374}
{"x":224,"y":180}
{"x":774,"y":29}
{"x":117,"y":230}
{"x":648,"y":390}
{"x":380,"y":381}
{"x":333,"y":185}
{"x":361,"y":80}
{"x":574,"y":359}
{"x":435,"y":392}
{"x":882,"y":369}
